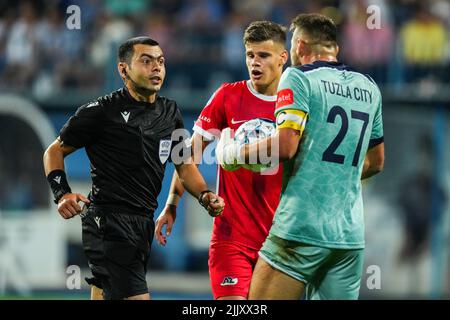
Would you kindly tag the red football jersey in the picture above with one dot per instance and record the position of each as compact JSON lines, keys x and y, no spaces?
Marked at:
{"x":250,"y":198}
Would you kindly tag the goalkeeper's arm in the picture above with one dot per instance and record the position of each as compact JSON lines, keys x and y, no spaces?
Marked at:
{"x":280,"y":147}
{"x":373,"y":162}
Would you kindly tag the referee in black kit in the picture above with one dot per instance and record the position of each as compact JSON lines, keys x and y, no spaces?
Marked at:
{"x":128,"y":136}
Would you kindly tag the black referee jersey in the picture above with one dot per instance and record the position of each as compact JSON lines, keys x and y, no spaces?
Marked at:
{"x":128,"y":143}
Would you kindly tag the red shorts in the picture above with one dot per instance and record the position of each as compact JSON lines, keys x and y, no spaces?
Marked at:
{"x":230,"y":268}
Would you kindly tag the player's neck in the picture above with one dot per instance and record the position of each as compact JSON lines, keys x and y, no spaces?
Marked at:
{"x":267,"y":90}
{"x":140,"y":94}
{"x":319,"y":57}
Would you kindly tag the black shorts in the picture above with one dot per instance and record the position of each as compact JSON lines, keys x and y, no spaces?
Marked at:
{"x":117,"y":245}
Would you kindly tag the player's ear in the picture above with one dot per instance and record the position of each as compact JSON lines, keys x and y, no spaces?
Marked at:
{"x":122,"y":68}
{"x":284,"y":57}
{"x":302,"y":48}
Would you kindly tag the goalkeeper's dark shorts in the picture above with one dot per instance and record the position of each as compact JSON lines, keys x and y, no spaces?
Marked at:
{"x":117,"y":245}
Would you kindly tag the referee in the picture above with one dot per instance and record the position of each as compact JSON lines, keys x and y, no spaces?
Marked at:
{"x":129,"y":135}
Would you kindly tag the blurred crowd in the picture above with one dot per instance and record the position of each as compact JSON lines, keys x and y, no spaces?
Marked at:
{"x":202,"y":39}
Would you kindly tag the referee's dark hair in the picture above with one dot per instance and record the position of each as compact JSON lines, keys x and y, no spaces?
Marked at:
{"x":126,"y":49}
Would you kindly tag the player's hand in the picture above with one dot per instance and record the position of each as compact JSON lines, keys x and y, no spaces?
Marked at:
{"x":167,"y":217}
{"x":227,"y":151}
{"x":68,"y":206}
{"x":213,"y":204}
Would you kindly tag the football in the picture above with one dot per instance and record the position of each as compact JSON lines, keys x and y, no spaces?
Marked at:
{"x":252,"y":131}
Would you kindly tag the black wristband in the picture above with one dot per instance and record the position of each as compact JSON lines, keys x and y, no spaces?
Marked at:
{"x":200,"y":197}
{"x":58,"y":183}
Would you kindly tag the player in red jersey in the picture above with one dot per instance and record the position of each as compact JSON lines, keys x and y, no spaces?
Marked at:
{"x":251,"y":198}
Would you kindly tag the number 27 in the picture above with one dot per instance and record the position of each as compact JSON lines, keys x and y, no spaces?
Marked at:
{"x":329,"y":154}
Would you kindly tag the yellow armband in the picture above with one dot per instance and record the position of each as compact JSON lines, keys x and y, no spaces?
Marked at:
{"x":291,"y":118}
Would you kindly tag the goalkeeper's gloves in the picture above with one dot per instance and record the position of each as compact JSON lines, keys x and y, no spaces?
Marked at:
{"x":228,"y":151}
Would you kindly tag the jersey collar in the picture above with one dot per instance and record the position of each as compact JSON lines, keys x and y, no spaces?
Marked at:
{"x":259,"y":95}
{"x":136,"y":102}
{"x":324,"y":64}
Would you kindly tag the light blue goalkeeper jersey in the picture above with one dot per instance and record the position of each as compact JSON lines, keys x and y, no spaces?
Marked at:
{"x":321,"y":201}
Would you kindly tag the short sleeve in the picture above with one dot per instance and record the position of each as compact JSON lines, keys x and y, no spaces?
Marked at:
{"x":212,"y":118}
{"x":376,"y":136}
{"x":82,"y":129}
{"x":293,"y":91}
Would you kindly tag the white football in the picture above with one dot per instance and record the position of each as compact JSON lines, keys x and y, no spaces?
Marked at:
{"x":252,"y":131}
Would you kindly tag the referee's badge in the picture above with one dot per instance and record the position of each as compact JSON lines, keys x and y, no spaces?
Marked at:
{"x":164,"y":150}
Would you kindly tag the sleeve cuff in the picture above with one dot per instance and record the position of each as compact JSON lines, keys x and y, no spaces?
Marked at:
{"x":207,"y":135}
{"x":375,"y":142}
{"x":69,"y":142}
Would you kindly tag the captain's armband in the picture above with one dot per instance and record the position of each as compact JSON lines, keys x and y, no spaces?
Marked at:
{"x":291,"y":118}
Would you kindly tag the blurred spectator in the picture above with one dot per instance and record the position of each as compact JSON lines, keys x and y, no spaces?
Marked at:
{"x":424,"y":40}
{"x":20,"y":51}
{"x":58,"y":50}
{"x":90,"y":9}
{"x":233,"y":46}
{"x":169,"y":7}
{"x":111,"y":31}
{"x":126,"y":8}
{"x":441,"y":9}
{"x":156,"y":27}
{"x":253,"y":9}
{"x":368,"y":50}
{"x":6,"y":21}
{"x":200,"y":33}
